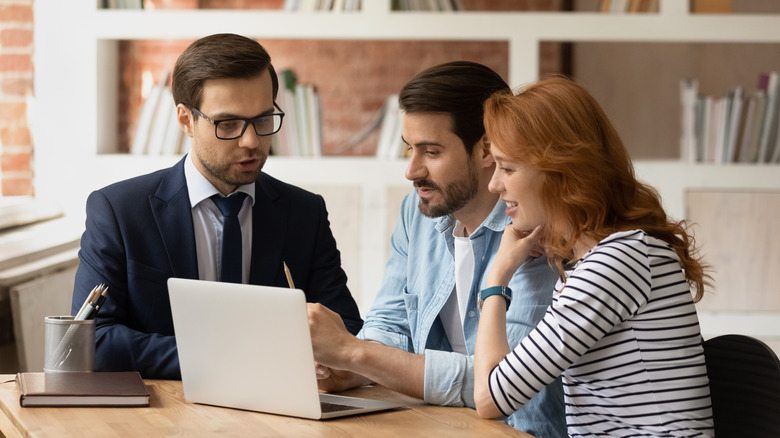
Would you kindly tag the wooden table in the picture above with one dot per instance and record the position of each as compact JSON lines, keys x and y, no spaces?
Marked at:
{"x":170,"y":414}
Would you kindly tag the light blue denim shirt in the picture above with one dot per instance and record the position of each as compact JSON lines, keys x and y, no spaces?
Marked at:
{"x":420,"y":276}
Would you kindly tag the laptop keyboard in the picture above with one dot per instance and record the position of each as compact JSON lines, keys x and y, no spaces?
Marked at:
{"x":335,"y":407}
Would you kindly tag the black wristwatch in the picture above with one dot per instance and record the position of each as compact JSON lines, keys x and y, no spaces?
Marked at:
{"x":504,"y":291}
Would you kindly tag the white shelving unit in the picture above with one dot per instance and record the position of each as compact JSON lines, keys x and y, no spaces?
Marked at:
{"x":74,"y":124}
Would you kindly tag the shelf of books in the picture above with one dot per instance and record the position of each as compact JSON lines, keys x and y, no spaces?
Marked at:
{"x":523,"y":30}
{"x":379,"y":21}
{"x":78,"y":143}
{"x":740,"y":126}
{"x":91,"y":61}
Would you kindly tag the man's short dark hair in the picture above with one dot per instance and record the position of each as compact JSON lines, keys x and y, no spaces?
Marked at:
{"x":219,"y":56}
{"x":459,"y":88}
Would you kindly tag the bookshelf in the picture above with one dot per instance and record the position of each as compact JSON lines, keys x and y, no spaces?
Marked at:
{"x":522,"y":30}
{"x":75,"y":136}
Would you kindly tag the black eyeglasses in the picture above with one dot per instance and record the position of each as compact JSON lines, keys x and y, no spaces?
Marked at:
{"x":231,"y":129}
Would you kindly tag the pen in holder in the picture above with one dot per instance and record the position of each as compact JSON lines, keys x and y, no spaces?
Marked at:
{"x":70,"y":344}
{"x":70,"y":340}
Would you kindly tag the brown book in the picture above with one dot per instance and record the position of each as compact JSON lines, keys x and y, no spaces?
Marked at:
{"x":82,"y":389}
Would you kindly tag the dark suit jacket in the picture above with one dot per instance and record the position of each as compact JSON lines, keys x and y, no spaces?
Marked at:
{"x":139,"y":233}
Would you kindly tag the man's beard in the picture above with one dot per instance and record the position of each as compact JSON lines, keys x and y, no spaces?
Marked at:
{"x":456,"y":195}
{"x":223,"y":173}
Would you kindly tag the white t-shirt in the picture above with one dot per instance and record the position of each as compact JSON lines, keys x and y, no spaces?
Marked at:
{"x":454,"y":311}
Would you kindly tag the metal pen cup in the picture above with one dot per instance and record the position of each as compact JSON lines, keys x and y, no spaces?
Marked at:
{"x":70,"y":344}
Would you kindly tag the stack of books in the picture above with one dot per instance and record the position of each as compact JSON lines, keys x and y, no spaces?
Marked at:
{"x":738,"y":127}
{"x":427,"y":5}
{"x":390,"y":144}
{"x":321,"y":5}
{"x":388,"y":122}
{"x":631,"y":6}
{"x":301,"y":133}
{"x":123,"y":4}
{"x":158,"y":131}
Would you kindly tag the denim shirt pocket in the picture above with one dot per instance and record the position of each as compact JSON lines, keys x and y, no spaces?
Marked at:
{"x":411,"y":301}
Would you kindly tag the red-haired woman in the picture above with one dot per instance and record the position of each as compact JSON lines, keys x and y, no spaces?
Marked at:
{"x":622,"y":330}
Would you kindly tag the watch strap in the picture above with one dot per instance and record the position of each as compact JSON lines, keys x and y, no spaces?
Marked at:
{"x":504,"y":291}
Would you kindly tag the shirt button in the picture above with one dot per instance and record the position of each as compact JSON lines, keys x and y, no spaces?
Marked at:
{"x":472,"y":313}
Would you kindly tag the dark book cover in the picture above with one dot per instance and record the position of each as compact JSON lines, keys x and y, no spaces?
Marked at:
{"x":125,"y":388}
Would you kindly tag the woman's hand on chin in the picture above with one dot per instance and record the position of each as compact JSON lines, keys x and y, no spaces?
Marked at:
{"x":515,"y":248}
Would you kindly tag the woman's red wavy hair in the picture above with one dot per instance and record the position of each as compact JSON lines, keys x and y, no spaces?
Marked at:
{"x":589,"y":190}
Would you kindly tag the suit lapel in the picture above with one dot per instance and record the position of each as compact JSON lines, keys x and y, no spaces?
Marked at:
{"x":172,"y":211}
{"x":269,"y":221}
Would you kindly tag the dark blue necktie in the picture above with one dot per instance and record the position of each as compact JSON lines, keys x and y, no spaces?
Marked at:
{"x":232,"y":256}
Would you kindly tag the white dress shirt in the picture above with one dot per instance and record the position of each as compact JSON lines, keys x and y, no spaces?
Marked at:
{"x":207,"y":222}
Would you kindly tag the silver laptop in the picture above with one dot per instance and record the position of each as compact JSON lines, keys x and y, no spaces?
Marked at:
{"x":249,"y":347}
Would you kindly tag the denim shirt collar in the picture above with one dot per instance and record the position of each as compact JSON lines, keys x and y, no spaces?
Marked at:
{"x":496,"y":221}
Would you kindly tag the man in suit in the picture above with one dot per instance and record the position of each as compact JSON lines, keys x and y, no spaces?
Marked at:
{"x":170,"y":223}
{"x":419,"y":335}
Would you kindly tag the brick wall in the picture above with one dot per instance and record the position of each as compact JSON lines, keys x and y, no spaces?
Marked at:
{"x":16,"y":88}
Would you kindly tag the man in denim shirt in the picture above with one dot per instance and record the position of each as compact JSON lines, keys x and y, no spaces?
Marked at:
{"x":424,"y":320}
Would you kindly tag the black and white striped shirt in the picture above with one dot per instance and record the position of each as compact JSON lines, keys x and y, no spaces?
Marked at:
{"x":624,"y":334}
